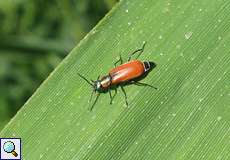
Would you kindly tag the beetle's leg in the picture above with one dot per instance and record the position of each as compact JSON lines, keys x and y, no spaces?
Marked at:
{"x":110,"y":96}
{"x":119,"y":60}
{"x":138,"y":50}
{"x":98,"y":77}
{"x":142,"y":84}
{"x":142,"y":50}
{"x":114,"y":94}
{"x":91,"y":95}
{"x":98,"y":94}
{"x":123,"y":90}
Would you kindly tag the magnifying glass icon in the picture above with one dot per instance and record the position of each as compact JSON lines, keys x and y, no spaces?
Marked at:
{"x":9,"y":147}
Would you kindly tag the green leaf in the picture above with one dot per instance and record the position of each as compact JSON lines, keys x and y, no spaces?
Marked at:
{"x":186,"y":118}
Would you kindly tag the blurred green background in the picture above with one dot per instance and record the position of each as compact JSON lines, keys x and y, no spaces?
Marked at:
{"x":35,"y":35}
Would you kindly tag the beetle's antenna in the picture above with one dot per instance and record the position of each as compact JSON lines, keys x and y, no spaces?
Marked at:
{"x":85,"y":79}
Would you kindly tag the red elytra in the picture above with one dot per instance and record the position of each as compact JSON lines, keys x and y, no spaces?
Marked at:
{"x":127,"y":71}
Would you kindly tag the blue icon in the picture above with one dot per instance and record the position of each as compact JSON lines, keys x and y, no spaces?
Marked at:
{"x":9,"y":147}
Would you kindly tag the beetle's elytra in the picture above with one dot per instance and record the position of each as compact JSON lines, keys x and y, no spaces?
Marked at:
{"x":126,"y":73}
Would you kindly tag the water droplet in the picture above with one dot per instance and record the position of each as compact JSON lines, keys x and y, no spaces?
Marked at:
{"x":126,"y":10}
{"x":182,"y":54}
{"x":94,"y":117}
{"x":201,"y":99}
{"x":160,"y":37}
{"x":188,"y":35}
{"x":129,"y":23}
{"x":192,"y":58}
{"x":165,"y":10}
{"x":178,"y":46}
{"x":174,"y":114}
{"x":41,"y":155}
{"x":219,"y":118}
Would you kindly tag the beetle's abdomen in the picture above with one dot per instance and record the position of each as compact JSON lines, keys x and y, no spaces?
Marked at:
{"x":127,"y":71}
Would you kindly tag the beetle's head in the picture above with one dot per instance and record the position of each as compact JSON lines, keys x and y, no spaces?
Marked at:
{"x":97,"y":86}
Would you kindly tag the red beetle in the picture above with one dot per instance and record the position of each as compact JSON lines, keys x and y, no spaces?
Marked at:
{"x":127,"y":73}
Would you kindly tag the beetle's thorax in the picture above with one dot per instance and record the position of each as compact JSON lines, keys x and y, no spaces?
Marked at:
{"x":106,"y":81}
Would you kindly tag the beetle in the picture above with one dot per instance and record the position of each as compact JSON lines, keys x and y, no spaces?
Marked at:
{"x":126,"y":73}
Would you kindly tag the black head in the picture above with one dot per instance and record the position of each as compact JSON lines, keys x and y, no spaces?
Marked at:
{"x":97,"y":86}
